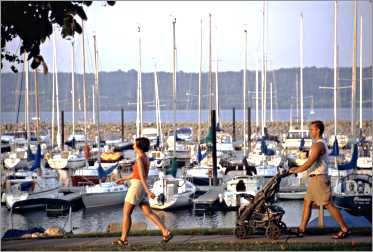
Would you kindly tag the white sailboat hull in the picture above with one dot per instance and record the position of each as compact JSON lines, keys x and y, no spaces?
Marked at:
{"x":291,"y":195}
{"x":92,"y":200}
{"x":364,"y":162}
{"x":58,"y":163}
{"x":75,"y":163}
{"x":104,"y":194}
{"x":178,"y":201}
{"x":11,"y":198}
{"x":171,"y":193}
{"x":11,"y":163}
{"x":16,"y":163}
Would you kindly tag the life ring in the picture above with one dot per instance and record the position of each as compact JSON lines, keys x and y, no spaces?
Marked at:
{"x":351,"y":186}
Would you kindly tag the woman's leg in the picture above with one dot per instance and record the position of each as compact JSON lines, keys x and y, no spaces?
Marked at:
{"x":154,"y":218}
{"x":126,"y":221}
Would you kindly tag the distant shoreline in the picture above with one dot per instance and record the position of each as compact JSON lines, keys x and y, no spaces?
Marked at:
{"x":113,"y":130}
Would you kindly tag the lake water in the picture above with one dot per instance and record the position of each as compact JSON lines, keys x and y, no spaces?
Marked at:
{"x":97,"y":220}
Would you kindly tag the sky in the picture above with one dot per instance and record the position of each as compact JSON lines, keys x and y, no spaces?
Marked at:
{"x":118,"y":38}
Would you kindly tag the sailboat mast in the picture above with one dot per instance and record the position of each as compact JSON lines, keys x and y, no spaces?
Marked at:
{"x":271,"y":101}
{"x":297,"y":97}
{"x":37,"y":107}
{"x":361,"y":73}
{"x":27,"y":98}
{"x":263,"y":70}
{"x":199,"y":89}
{"x":291,"y":115}
{"x":84,"y":86}
{"x":159,"y":110}
{"x":58,"y":138}
{"x":139,"y":91}
{"x":301,"y":72}
{"x":217,"y":90}
{"x":244,"y":94}
{"x":53,"y":102}
{"x":157,"y":115}
{"x":174,"y":82}
{"x":93,"y":105}
{"x":140,"y":85}
{"x":335,"y":66}
{"x":257,"y":92}
{"x":73,"y":86}
{"x":210,"y":70}
{"x":97,"y":95}
{"x":353,"y":89}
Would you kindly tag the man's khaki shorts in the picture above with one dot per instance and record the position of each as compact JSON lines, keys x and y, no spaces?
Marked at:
{"x":318,"y":190}
{"x":136,"y":194}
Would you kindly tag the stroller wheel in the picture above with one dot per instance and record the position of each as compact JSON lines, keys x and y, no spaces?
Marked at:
{"x":273,"y":231}
{"x":282,"y":226}
{"x":241,"y":232}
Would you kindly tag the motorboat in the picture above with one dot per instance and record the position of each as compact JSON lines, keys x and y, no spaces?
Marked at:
{"x":171,"y":193}
{"x":239,"y":187}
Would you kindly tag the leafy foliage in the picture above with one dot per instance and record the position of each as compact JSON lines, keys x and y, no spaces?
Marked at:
{"x":33,"y":23}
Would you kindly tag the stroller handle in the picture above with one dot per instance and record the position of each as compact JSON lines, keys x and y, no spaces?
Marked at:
{"x":283,"y":173}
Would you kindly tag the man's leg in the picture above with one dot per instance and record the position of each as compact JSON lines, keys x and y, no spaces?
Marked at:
{"x":336,"y":214}
{"x":306,"y":215}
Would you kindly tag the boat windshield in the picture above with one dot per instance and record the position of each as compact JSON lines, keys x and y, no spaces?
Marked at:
{"x":185,"y":131}
{"x":224,"y":139}
{"x":297,"y":135}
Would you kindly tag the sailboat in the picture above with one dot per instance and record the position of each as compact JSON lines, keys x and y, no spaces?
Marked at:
{"x":56,"y":159}
{"x":364,"y":160}
{"x":158,"y":160}
{"x":176,"y":148}
{"x":171,"y":193}
{"x":353,"y":192}
{"x":20,"y":140}
{"x":265,"y":152}
{"x":101,"y":194}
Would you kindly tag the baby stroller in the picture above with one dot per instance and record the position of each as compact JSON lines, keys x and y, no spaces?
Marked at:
{"x":260,"y":213}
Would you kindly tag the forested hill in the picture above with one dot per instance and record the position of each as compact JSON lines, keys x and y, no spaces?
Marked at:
{"x":118,"y":89}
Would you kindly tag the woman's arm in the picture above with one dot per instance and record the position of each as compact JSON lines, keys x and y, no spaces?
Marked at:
{"x":121,"y":180}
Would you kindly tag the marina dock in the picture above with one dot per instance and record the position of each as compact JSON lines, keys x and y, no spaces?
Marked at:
{"x":210,"y":199}
{"x":72,"y":195}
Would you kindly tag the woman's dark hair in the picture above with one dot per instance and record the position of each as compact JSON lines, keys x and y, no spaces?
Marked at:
{"x":143,"y":144}
{"x":319,"y":125}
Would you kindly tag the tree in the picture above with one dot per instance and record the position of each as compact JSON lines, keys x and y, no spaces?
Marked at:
{"x":32,"y":22}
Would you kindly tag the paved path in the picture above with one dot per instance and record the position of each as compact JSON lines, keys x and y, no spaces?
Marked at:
{"x":94,"y":243}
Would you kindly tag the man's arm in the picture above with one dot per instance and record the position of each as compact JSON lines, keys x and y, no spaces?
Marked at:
{"x":316,"y":151}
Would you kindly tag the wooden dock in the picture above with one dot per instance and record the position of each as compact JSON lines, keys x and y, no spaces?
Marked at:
{"x":210,"y":199}
{"x":74,"y":196}
{"x":70,"y":189}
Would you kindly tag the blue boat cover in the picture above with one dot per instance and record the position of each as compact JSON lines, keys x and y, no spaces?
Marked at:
{"x":353,"y":162}
{"x":335,"y":151}
{"x":302,"y":143}
{"x":37,"y":160}
{"x":14,"y":233}
{"x":102,"y":173}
